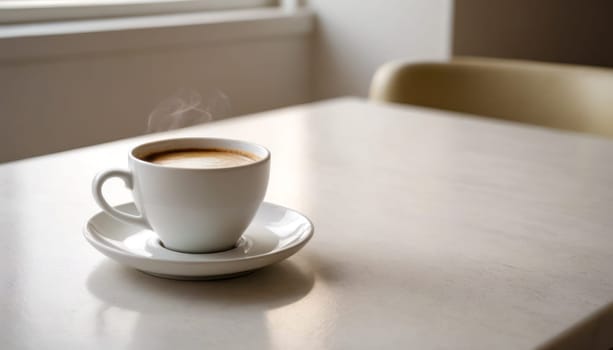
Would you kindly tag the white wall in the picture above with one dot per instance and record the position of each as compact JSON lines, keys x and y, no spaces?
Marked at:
{"x":352,"y":38}
{"x":69,"y":90}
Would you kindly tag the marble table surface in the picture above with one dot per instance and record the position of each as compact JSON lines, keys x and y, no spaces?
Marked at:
{"x":433,"y":230}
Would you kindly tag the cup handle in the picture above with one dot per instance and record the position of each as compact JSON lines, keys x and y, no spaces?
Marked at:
{"x":97,"y":183}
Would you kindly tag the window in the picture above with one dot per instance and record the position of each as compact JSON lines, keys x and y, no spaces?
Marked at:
{"x":14,"y":11}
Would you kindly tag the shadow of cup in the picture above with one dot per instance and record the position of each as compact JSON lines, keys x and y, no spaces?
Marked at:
{"x":268,"y":288}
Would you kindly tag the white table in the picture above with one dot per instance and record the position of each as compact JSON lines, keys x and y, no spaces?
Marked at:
{"x":433,"y":231}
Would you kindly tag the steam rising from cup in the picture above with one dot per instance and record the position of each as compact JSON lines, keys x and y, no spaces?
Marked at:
{"x":187,"y":107}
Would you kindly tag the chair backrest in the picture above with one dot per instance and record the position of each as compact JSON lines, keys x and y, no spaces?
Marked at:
{"x":555,"y":95}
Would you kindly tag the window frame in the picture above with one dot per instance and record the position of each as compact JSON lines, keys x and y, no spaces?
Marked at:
{"x":14,"y":12}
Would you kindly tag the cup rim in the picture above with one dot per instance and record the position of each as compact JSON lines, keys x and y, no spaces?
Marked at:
{"x":136,"y":159}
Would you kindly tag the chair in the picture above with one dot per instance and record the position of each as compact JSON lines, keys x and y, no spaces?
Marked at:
{"x":560,"y":96}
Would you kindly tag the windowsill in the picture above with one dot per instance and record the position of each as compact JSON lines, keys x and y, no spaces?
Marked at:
{"x":42,"y":40}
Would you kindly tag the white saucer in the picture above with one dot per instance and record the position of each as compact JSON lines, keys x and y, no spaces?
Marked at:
{"x":274,"y":234}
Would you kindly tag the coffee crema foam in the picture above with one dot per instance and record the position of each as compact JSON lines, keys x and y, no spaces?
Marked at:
{"x":208,"y":158}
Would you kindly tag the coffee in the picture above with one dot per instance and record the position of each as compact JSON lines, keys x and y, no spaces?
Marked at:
{"x":208,"y":158}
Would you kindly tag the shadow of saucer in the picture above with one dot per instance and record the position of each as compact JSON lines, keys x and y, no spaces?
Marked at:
{"x":268,"y":288}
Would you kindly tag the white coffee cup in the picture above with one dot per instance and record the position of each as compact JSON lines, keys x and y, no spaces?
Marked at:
{"x":193,"y":210}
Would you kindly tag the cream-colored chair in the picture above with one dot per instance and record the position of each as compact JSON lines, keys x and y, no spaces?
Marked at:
{"x":561,"y":96}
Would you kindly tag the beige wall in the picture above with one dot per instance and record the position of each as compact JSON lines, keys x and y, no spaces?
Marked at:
{"x":565,"y":31}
